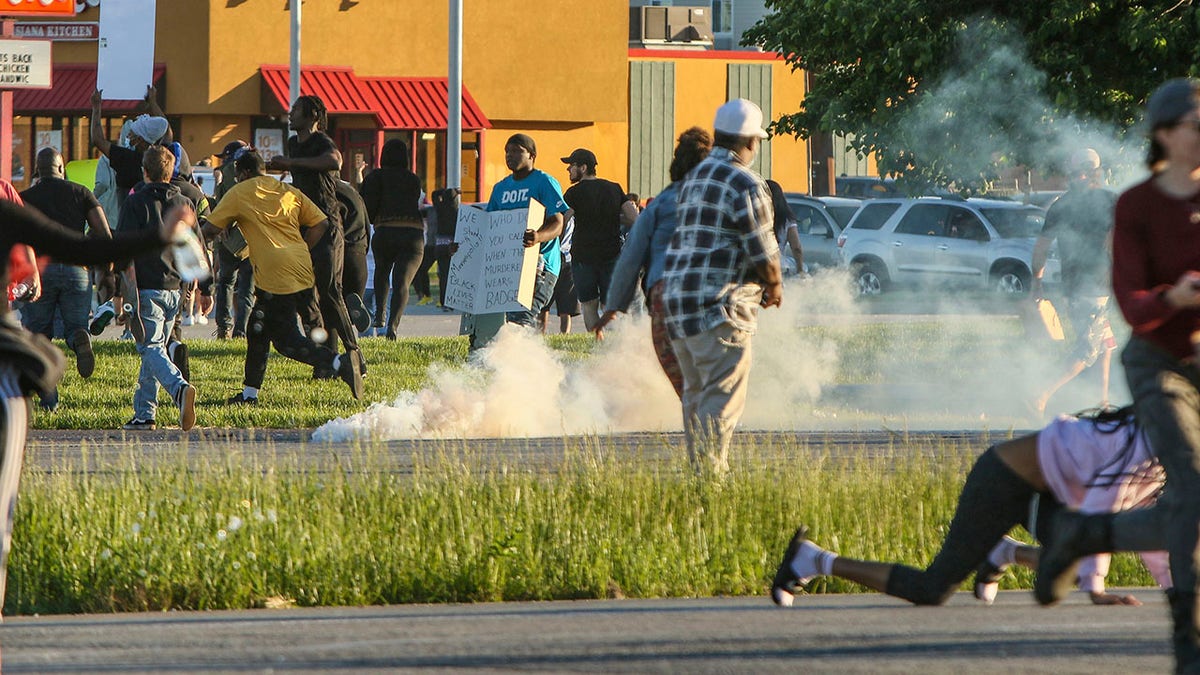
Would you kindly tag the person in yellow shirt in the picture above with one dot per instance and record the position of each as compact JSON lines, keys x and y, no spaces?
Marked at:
{"x":280,"y":225}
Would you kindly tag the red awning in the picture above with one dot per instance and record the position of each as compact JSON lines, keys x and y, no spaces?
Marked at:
{"x":338,"y":88}
{"x":71,"y":93}
{"x":420,"y":103}
{"x":410,"y":103}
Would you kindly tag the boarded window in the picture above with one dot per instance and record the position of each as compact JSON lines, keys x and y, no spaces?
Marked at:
{"x":752,"y":82}
{"x":651,"y":125}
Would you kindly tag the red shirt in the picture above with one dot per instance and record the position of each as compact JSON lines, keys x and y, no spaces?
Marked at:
{"x":1156,"y":238}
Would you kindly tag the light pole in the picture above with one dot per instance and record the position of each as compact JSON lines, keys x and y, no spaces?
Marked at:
{"x":294,"y":74}
{"x":454,"y":100}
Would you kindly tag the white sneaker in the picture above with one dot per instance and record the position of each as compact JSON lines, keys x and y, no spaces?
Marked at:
{"x":187,"y":320}
{"x":201,"y":320}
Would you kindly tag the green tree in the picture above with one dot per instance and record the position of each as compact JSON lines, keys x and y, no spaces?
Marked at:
{"x":953,"y":91}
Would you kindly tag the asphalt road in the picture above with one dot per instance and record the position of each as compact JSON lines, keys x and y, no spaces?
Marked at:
{"x":821,"y":634}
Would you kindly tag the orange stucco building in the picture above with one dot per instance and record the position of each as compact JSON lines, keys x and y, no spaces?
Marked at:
{"x":561,"y":71}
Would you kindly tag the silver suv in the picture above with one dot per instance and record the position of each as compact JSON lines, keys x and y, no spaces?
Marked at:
{"x":978,"y":243}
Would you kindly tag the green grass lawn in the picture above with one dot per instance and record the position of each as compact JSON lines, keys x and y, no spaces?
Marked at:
{"x":462,"y":527}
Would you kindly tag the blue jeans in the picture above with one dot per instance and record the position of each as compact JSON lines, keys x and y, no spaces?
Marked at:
{"x":592,"y":279}
{"x":156,"y":310}
{"x":65,"y":288}
{"x":543,"y":292}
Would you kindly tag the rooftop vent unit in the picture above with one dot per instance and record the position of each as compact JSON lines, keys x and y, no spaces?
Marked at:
{"x":670,"y":28}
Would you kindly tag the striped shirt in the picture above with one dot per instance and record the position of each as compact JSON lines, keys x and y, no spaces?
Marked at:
{"x":725,"y":219}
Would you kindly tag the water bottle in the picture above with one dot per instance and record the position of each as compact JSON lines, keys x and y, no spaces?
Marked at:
{"x":191,"y":261}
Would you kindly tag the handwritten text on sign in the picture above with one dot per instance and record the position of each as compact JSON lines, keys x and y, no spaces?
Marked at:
{"x":493,"y":271}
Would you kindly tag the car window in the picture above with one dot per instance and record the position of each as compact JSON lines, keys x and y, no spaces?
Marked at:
{"x":842,"y":214}
{"x":964,"y":224}
{"x":810,"y":221}
{"x":873,"y":216}
{"x":924,"y":219}
{"x":1015,"y":223}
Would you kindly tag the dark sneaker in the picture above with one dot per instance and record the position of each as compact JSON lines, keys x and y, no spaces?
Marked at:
{"x":324,"y":372}
{"x":351,"y":373}
{"x":85,"y":360}
{"x":987,"y":582}
{"x":185,"y":400}
{"x":240,"y":399}
{"x":179,"y":356}
{"x":783,"y":589}
{"x":1073,"y":536}
{"x":104,"y":315}
{"x":358,"y":312}
{"x":136,"y":424}
{"x":50,"y":403}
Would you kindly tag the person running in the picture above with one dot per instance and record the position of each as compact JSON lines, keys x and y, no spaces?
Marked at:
{"x":645,"y":251}
{"x":314,"y":162}
{"x":272,"y":215}
{"x":1098,"y":463}
{"x":30,"y":363}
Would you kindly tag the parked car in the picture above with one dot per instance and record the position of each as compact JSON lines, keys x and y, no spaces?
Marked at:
{"x":865,"y":187}
{"x":978,"y":243}
{"x":820,"y":221}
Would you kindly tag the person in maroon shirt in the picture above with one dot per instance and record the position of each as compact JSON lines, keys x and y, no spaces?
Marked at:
{"x":1156,"y":282}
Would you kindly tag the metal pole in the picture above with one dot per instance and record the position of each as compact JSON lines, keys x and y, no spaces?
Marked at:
{"x":454,"y":100}
{"x":6,"y":118}
{"x":294,"y":74}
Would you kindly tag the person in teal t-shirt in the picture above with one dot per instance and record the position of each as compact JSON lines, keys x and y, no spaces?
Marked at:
{"x":514,"y":192}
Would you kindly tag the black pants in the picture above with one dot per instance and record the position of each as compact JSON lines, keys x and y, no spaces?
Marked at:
{"x":354,"y":269}
{"x":420,"y":282}
{"x":273,"y":321}
{"x":327,"y":260}
{"x":234,"y":292}
{"x":398,"y":252}
{"x":993,"y":501}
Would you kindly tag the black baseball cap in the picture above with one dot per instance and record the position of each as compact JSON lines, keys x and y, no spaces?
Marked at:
{"x":232,"y":147}
{"x":524,"y":141}
{"x":581,"y":156}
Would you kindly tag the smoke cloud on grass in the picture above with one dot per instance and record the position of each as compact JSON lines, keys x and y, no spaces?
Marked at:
{"x":517,"y":386}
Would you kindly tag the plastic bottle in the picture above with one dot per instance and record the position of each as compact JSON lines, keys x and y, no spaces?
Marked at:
{"x":191,"y":261}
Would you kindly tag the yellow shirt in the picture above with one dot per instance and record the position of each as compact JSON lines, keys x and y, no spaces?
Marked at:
{"x":271,"y":214}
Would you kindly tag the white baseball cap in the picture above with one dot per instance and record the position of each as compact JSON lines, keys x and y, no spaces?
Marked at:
{"x":740,"y":117}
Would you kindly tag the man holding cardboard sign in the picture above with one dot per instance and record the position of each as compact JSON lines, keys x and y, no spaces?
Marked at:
{"x":535,"y":193}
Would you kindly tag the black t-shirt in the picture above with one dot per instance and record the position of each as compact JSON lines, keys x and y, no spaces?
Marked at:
{"x":783,"y":212}
{"x":1081,"y":220}
{"x":127,"y":164}
{"x":319,"y":186}
{"x":597,"y":205}
{"x":62,"y":201}
{"x":354,"y":220}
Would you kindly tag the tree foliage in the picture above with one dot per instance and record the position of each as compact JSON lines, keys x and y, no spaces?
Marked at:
{"x":949,"y":91}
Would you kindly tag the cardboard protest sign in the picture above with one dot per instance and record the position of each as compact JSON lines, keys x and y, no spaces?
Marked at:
{"x":125,"y":60}
{"x":493,"y":271}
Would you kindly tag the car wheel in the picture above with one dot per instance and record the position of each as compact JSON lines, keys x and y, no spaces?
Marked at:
{"x":1011,"y":280}
{"x":870,"y":279}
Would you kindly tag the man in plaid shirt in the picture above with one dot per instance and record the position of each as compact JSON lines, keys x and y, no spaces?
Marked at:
{"x":721,"y":266}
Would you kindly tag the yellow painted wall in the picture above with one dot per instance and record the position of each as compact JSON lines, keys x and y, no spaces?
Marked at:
{"x":608,"y":140}
{"x":571,"y":51}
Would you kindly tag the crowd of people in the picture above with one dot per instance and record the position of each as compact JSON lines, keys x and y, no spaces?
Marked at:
{"x":292,"y":266}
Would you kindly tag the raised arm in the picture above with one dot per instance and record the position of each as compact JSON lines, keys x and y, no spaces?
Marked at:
{"x":95,"y":129}
{"x":153,"y":108}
